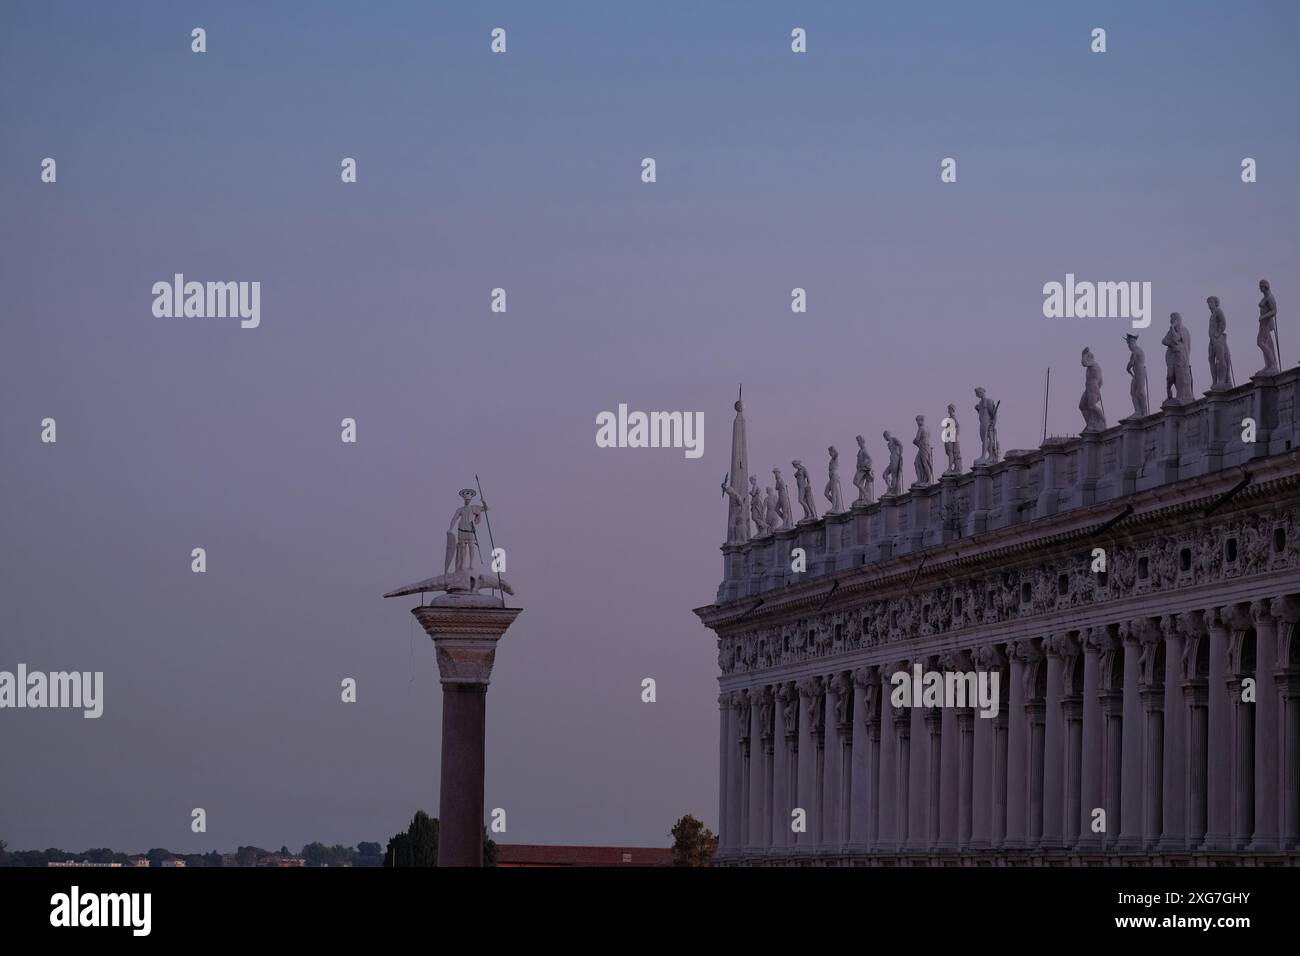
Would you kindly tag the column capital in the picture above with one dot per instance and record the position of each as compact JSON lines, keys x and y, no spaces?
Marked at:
{"x":1262,"y":613}
{"x":1101,"y":638}
{"x":1062,"y":644}
{"x":465,"y":636}
{"x":763,"y":698}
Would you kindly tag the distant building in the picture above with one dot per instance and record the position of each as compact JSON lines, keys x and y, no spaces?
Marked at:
{"x":139,"y":860}
{"x":82,"y":863}
{"x":175,"y":862}
{"x":229,"y":859}
{"x":526,"y":854}
{"x":276,"y":860}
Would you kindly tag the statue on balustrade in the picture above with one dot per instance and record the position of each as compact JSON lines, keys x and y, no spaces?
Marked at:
{"x":783,"y":500}
{"x":1137,"y":370}
{"x":924,"y":455}
{"x":952,"y":448}
{"x":987,"y":409}
{"x":1268,"y":340}
{"x":1090,"y":404}
{"x":894,"y":470}
{"x":804,"y":484}
{"x":864,"y":478}
{"x":1178,"y":367}
{"x":832,"y":490}
{"x":1220,"y":356}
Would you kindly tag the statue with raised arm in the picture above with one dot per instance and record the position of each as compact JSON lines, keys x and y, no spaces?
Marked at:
{"x":987,"y":410}
{"x":864,"y":477}
{"x":462,"y":567}
{"x":783,"y":500}
{"x":894,"y":470}
{"x":804,"y":484}
{"x":757,"y":510}
{"x":924,"y":455}
{"x":952,"y":448}
{"x":772,"y":510}
{"x":1137,"y":370}
{"x":832,"y":490}
{"x":1220,"y":357}
{"x":1094,"y":413}
{"x":738,"y":533}
{"x":1178,"y":368}
{"x":1267,"y":339}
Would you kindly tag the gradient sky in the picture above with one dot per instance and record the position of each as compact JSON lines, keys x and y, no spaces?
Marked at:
{"x":523,"y":171}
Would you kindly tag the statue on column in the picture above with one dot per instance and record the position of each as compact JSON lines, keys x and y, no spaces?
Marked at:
{"x":1137,"y":370}
{"x":894,"y":470}
{"x":772,"y":510}
{"x":987,"y":410}
{"x":783,"y":500}
{"x":832,"y":490}
{"x":738,"y":533}
{"x":463,"y":567}
{"x":757,"y":510}
{"x":924,"y":455}
{"x":1094,"y":412}
{"x":1267,"y":340}
{"x":804,"y":484}
{"x":1220,"y":357}
{"x":1178,"y":368}
{"x":864,"y":477}
{"x":952,"y":448}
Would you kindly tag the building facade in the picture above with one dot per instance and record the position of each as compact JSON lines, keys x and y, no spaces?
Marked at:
{"x":1136,"y":590}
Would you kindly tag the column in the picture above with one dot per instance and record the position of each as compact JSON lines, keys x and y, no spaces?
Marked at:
{"x":725,"y":736}
{"x":1130,"y":812}
{"x":838,"y":688}
{"x":1174,"y":761}
{"x":1000,"y":747}
{"x":1111,"y":691}
{"x":950,"y":779}
{"x":1196,"y":637}
{"x":887,"y":838}
{"x":1056,"y":647}
{"x":1218,"y":768}
{"x":861,"y":797}
{"x":1036,"y":715}
{"x":739,"y":786}
{"x":1241,"y":665}
{"x":760,"y":711}
{"x":1017,"y":750}
{"x":809,"y":701}
{"x":902,"y":717}
{"x":918,"y":832}
{"x":933,"y":718}
{"x":982,"y":759}
{"x":1151,"y":690}
{"x":1288,"y":685}
{"x":1267,"y":832}
{"x":780,"y":823}
{"x":1092,"y":771}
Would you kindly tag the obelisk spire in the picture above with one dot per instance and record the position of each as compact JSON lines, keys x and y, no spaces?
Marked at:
{"x":739,"y":470}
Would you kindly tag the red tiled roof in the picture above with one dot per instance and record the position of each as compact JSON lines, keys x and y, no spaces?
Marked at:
{"x":528,"y":854}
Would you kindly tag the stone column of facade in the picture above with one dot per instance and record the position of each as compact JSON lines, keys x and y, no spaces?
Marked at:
{"x":766,"y":835}
{"x":828,"y":836}
{"x":875,"y":757}
{"x":725,"y":736}
{"x":918,"y":832}
{"x":1001,"y":749}
{"x":986,"y":662}
{"x":1195,"y":687}
{"x":902,"y":717}
{"x":1094,"y":641}
{"x":887,"y":838}
{"x":1036,"y":716}
{"x":1054,"y":752}
{"x":1130,"y":812}
{"x":809,"y":703}
{"x":781,"y":764}
{"x":861,"y":798}
{"x":1288,"y":684}
{"x":818,"y":832}
{"x":740,"y":770}
{"x":844,"y":720}
{"x":1111,"y":691}
{"x":1174,"y":761}
{"x":759,"y":817}
{"x":465,"y":629}
{"x":1151,"y":691}
{"x":1218,"y":766}
{"x":950,"y":778}
{"x":932,"y":717}
{"x":1072,"y":714}
{"x":1017,"y":751}
{"x":1267,"y":734}
{"x":1242,"y":720}
{"x":965,"y":776}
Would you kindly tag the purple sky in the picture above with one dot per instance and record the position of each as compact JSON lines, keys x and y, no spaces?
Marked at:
{"x":522,"y":171}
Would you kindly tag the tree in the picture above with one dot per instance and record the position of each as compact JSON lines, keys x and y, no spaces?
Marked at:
{"x":369,"y":854}
{"x":418,"y":846}
{"x":489,"y":849}
{"x":249,"y":855}
{"x":693,"y":843}
{"x":157,"y":855}
{"x":4,"y":856}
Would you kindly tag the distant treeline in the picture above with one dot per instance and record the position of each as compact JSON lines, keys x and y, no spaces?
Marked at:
{"x":313,"y":854}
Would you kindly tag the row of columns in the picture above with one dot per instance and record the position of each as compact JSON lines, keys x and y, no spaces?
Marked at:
{"x":1144,"y":735}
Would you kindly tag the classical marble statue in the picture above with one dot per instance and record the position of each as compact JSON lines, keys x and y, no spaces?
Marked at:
{"x":924,"y":455}
{"x":1178,"y":368}
{"x":804,"y":484}
{"x":757,"y":510}
{"x":1090,"y":404}
{"x":864,"y":477}
{"x":1137,"y":370}
{"x":738,"y":533}
{"x":463,"y":568}
{"x":832,"y":490}
{"x":894,"y":470}
{"x":1220,"y":357}
{"x":772,"y":510}
{"x":1267,"y":337}
{"x":987,"y":410}
{"x":953,"y":448}
{"x":783,"y":500}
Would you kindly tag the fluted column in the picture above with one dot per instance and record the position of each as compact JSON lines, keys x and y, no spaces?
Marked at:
{"x":1130,"y":813}
{"x":1288,"y":684}
{"x":1001,"y":748}
{"x":809,"y":707}
{"x":887,"y":838}
{"x":1151,"y":691}
{"x":740,"y":771}
{"x":1173,"y":786}
{"x":862,"y":796}
{"x":1036,"y":715}
{"x":1017,"y":750}
{"x":839,"y":687}
{"x":1092,"y":772}
{"x":760,"y":712}
{"x":951,"y":781}
{"x":786,"y":720}
{"x":903,"y":770}
{"x":1267,"y":729}
{"x":1195,"y":684}
{"x":988,"y":663}
{"x":1111,"y":691}
{"x":1054,"y":748}
{"x":933,"y":719}
{"x":1218,"y":768}
{"x":1241,"y":666}
{"x":726,"y":834}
